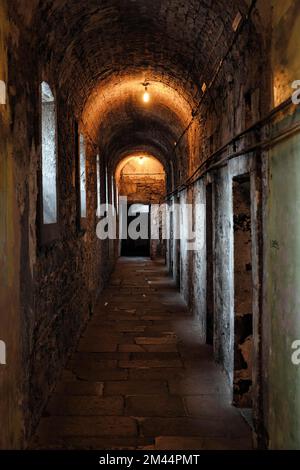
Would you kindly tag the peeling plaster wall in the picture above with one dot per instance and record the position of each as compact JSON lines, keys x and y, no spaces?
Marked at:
{"x":199,"y":256}
{"x":57,"y":285}
{"x":239,"y":98}
{"x":224,"y":258}
{"x":282,"y":304}
{"x":186,"y":265}
{"x":176,"y":242}
{"x":281,"y":324}
{"x":223,"y":288}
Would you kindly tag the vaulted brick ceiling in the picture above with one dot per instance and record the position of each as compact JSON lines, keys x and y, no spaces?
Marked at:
{"x":102,"y":50}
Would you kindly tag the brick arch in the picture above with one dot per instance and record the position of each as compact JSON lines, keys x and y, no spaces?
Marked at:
{"x":100,"y":52}
{"x":175,"y":41}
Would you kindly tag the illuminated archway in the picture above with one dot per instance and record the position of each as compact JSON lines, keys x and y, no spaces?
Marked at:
{"x":141,"y":178}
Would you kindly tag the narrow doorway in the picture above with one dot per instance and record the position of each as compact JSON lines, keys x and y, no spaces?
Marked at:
{"x":209,"y":266}
{"x":171,"y":243}
{"x":243,"y":293}
{"x":137,"y":220}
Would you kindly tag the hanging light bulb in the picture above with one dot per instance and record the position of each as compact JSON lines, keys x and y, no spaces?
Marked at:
{"x":146,"y":95}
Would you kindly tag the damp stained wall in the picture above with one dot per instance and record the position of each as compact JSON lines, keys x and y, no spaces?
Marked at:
{"x":281,"y":315}
{"x":47,"y":291}
{"x":283,"y":293}
{"x":285,"y":55}
{"x":10,"y":383}
{"x":199,"y":256}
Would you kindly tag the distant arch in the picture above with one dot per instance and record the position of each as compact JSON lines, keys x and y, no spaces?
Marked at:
{"x":2,"y":92}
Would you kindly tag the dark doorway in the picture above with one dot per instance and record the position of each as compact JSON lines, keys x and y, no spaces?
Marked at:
{"x":243,"y":293}
{"x":141,"y":246}
{"x":209,"y":266}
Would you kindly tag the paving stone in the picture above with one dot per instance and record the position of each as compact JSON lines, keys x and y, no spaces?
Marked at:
{"x":102,"y":333}
{"x":80,"y":387}
{"x":135,"y":387}
{"x":210,"y":405}
{"x":133,"y":329}
{"x":156,"y":318}
{"x":95,"y":373}
{"x":142,"y":364}
{"x":131,"y":348}
{"x":98,"y":357}
{"x":156,"y":340}
{"x":85,"y":426}
{"x":85,"y":406}
{"x":82,"y":363}
{"x":67,"y":376}
{"x":95,"y":345}
{"x":165,"y":348}
{"x":157,"y":374}
{"x":182,"y":426}
{"x":178,"y":443}
{"x":94,"y":443}
{"x":197,"y":386}
{"x":160,"y":356}
{"x":228,"y":444}
{"x":196,"y":443}
{"x":154,"y":405}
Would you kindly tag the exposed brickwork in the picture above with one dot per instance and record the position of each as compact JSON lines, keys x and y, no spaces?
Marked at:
{"x":95,"y":55}
{"x":175,"y":45}
{"x":243,"y":323}
{"x":143,"y":188}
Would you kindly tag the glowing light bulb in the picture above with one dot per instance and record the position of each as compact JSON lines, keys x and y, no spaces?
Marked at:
{"x":141,"y":160}
{"x":146,"y":97}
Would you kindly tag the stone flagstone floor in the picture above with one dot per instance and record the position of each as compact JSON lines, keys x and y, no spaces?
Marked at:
{"x":140,"y":378}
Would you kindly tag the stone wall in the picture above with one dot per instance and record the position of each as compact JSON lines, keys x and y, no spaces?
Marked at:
{"x":143,"y":189}
{"x":49,"y":289}
{"x":281,"y":377}
{"x":10,"y":246}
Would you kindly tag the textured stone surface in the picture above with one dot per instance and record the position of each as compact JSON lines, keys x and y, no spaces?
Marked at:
{"x":154,"y":405}
{"x":80,"y":388}
{"x":129,"y":400}
{"x":195,"y":443}
{"x":85,"y":406}
{"x":243,"y":294}
{"x":88,"y":426}
{"x":95,"y":55}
